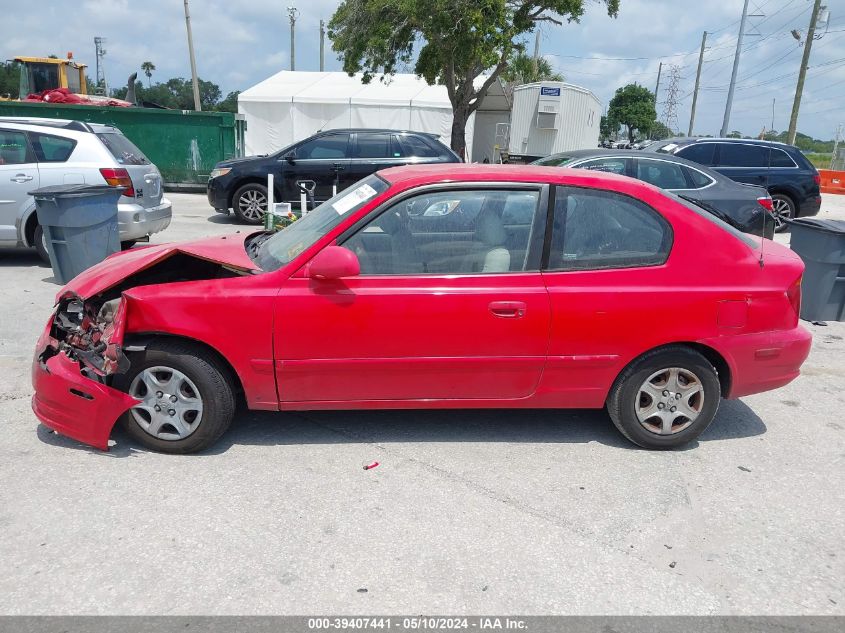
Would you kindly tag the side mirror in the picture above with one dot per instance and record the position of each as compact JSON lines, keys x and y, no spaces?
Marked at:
{"x":334,"y":262}
{"x":290,"y":156}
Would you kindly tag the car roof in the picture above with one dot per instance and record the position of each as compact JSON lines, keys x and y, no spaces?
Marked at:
{"x":377,"y":130}
{"x":632,"y":153}
{"x":463,"y":172}
{"x":63,"y":124}
{"x":685,"y":140}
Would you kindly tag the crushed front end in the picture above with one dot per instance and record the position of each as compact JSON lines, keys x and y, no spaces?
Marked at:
{"x":75,"y":358}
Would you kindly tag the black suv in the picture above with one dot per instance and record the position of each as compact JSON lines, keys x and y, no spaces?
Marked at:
{"x":791,"y":179}
{"x":330,"y":159}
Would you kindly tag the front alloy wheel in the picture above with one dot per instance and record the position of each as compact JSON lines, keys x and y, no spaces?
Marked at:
{"x":250,"y":203}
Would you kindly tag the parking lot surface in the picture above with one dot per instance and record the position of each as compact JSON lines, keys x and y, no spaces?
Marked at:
{"x":468,"y":512}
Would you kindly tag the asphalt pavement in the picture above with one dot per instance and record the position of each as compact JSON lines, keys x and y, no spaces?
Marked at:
{"x":517,"y":512}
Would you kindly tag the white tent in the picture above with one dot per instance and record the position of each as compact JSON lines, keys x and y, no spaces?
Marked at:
{"x":293,"y":105}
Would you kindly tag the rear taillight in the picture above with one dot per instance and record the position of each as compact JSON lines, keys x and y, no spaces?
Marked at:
{"x":817,"y":179}
{"x":766,"y":203}
{"x":119,"y":178}
{"x":793,"y":293}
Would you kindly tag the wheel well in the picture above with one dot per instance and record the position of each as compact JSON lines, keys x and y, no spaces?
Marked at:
{"x":784,"y":192}
{"x":145,"y":339}
{"x":277,"y":193}
{"x":29,"y":229}
{"x":723,"y":370}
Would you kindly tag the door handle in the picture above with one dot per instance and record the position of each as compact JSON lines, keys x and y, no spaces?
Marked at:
{"x":20,"y":178}
{"x":508,"y":309}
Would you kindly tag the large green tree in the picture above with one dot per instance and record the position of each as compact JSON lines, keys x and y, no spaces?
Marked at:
{"x":176,"y":93}
{"x":450,"y":42}
{"x":633,"y":107}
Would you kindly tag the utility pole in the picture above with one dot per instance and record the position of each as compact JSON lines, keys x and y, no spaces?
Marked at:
{"x":802,"y":74}
{"x":536,"y":61}
{"x":697,"y":81}
{"x":657,"y":86}
{"x":292,"y":14}
{"x":727,"y":120}
{"x":833,"y":158}
{"x":197,"y":104}
{"x":99,"y":52}
{"x":322,"y":44}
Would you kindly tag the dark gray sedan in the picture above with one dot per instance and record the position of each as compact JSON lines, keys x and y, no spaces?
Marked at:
{"x":747,"y":207}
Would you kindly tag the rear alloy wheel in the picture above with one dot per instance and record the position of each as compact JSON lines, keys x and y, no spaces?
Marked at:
{"x":666,"y":398}
{"x":783,"y":209}
{"x":250,"y":203}
{"x":186,"y":399}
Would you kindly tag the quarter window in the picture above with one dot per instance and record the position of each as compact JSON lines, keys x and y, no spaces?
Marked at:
{"x":325,"y":147}
{"x":449,"y":232}
{"x":661,"y":174}
{"x":51,"y":149}
{"x":781,"y":159}
{"x":699,"y":180}
{"x":13,"y":148}
{"x":415,"y":146}
{"x":596,"y":229}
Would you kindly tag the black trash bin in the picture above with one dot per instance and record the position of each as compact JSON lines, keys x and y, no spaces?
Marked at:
{"x":820,"y":243}
{"x":80,"y":225}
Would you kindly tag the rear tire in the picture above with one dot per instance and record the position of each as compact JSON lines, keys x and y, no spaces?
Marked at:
{"x":196,"y":404}
{"x":250,"y":203}
{"x":783,"y":209}
{"x":666,"y":398}
{"x":40,"y":243}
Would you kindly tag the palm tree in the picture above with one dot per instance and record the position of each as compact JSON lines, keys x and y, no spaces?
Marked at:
{"x":524,"y":69}
{"x":148,"y":68}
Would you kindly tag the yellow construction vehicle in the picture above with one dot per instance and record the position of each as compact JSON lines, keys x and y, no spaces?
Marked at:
{"x":48,"y":73}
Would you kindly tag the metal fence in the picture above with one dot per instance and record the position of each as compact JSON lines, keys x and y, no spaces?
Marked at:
{"x":184,"y":145}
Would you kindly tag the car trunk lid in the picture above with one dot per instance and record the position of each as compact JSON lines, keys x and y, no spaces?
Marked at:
{"x":145,"y":177}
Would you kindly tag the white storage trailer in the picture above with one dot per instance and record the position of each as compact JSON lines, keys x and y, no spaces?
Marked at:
{"x":551,"y":117}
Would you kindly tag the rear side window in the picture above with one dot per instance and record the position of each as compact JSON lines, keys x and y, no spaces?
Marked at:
{"x":781,"y":159}
{"x":661,"y":174}
{"x":124,"y":151}
{"x":595,"y":229}
{"x":701,"y":153}
{"x":552,"y":161}
{"x":415,"y":146}
{"x":740,"y":155}
{"x":51,"y":149}
{"x":14,"y":149}
{"x":744,"y":237}
{"x":610,"y":165}
{"x":373,"y":146}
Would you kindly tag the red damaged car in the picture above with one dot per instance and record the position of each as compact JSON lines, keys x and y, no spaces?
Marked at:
{"x":448,"y":286}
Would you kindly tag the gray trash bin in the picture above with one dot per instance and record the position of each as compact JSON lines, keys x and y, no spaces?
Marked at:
{"x":820,"y":243}
{"x":80,"y":225}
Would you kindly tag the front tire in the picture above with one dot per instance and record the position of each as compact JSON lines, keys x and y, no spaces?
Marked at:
{"x":666,"y":398}
{"x":783,"y":209}
{"x":250,"y":203}
{"x":187,"y":399}
{"x":40,"y":243}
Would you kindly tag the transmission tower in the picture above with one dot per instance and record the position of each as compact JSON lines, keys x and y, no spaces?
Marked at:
{"x":101,"y":68}
{"x":670,"y":106}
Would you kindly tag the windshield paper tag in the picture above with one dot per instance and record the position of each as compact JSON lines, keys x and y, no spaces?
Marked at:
{"x":361,"y":194}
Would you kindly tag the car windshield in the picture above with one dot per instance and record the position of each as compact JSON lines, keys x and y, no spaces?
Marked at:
{"x":552,"y":161}
{"x":284,"y":246}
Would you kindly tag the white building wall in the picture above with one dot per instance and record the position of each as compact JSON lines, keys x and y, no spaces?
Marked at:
{"x":576,"y":124}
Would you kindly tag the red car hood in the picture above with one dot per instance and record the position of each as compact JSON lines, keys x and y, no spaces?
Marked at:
{"x":228,"y":251}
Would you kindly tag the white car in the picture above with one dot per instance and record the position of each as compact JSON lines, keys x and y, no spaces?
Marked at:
{"x":38,"y":153}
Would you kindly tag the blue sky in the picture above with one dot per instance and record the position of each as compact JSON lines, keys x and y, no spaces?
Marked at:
{"x":240,"y":42}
